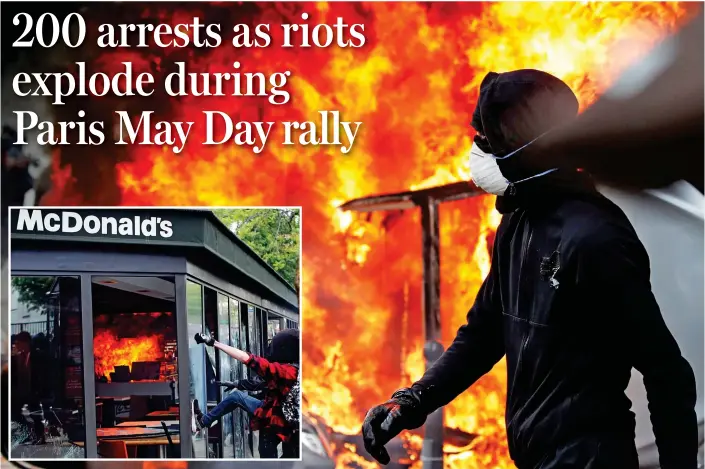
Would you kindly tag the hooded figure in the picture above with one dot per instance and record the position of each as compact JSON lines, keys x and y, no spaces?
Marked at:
{"x":513,"y":110}
{"x":567,"y":301}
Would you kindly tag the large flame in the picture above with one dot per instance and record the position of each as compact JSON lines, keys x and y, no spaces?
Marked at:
{"x":414,"y":86}
{"x":110,"y":351}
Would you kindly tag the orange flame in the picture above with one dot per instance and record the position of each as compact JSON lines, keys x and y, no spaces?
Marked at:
{"x":414,"y":86}
{"x":110,"y":351}
{"x":348,"y":457}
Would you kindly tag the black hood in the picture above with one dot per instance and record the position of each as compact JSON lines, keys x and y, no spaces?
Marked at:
{"x":284,"y":347}
{"x":514,"y":108}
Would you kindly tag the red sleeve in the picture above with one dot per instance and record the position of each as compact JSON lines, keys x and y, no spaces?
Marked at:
{"x":271,"y":371}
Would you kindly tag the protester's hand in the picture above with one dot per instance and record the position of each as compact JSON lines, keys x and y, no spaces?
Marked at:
{"x":202,"y":338}
{"x":228,"y":385}
{"x":384,"y":422}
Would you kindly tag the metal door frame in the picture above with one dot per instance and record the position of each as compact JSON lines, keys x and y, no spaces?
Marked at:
{"x":85,"y":265}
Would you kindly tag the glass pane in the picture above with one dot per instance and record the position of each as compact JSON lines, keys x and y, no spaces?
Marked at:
{"x":236,"y":373}
{"x":247,"y":317}
{"x":262,"y":330}
{"x":225,"y":374}
{"x":210,"y":304}
{"x":197,"y":361}
{"x":134,"y":346}
{"x":255,"y":331}
{"x":274,"y":325}
{"x":46,"y":368}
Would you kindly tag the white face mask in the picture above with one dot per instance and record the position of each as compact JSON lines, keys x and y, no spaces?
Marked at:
{"x":485,"y":172}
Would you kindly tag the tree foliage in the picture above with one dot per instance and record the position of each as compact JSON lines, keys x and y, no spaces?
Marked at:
{"x":32,"y":291}
{"x":272,"y":233}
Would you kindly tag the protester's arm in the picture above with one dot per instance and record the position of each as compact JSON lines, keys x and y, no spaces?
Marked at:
{"x":251,"y":384}
{"x":236,"y":353}
{"x":478,"y":346}
{"x":244,"y":384}
{"x":618,"y":265}
{"x":263,"y":367}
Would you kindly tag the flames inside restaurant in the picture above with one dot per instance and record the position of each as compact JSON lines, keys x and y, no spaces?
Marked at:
{"x":110,"y":321}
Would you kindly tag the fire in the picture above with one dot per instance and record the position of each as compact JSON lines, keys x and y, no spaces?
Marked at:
{"x":110,"y":351}
{"x":414,"y":86}
{"x":348,"y":457}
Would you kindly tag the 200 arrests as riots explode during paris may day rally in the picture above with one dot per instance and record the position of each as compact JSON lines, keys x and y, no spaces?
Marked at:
{"x":327,"y":128}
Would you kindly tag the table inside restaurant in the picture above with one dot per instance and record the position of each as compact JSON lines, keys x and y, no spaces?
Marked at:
{"x":172,"y":413}
{"x":141,"y":436}
{"x":115,"y":433}
{"x":148,"y":423}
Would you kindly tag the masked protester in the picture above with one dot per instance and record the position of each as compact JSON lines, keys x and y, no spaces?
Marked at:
{"x":567,"y":300}
{"x":280,"y":373}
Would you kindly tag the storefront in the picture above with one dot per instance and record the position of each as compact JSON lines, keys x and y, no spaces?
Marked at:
{"x":112,"y":299}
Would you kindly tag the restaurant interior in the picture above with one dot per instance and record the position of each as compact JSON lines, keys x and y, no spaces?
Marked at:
{"x":134,"y":350}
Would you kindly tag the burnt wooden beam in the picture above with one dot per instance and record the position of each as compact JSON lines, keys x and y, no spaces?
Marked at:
{"x":411,"y":199}
{"x":432,"y":449}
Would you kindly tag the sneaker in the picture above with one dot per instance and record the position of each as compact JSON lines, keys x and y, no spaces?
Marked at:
{"x":196,"y":417}
{"x":203,"y":338}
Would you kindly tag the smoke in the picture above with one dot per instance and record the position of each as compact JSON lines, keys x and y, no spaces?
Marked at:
{"x":643,"y":69}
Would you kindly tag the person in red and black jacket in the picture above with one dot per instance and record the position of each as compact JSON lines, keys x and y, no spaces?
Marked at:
{"x":280,"y":371}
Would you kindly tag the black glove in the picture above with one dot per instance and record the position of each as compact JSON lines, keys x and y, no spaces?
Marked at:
{"x":382,"y":423}
{"x":202,"y":338}
{"x":228,"y":385}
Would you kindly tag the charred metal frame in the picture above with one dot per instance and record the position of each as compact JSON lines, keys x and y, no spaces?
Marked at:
{"x":428,"y":200}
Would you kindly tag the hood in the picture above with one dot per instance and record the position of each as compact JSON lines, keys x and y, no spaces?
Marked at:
{"x":513,"y":109}
{"x":284,"y":347}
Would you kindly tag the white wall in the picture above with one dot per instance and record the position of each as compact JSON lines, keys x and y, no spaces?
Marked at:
{"x":669,"y":223}
{"x":19,"y":312}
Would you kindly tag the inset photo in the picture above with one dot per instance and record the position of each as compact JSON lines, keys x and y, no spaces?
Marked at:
{"x":154,"y":333}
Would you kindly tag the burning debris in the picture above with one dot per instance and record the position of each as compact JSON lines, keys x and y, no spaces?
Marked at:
{"x":111,"y":352}
{"x":121,"y":340}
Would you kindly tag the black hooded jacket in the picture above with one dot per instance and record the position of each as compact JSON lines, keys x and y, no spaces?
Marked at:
{"x":568,"y":301}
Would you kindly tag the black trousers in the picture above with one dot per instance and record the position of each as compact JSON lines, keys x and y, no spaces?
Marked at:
{"x":290,"y":449}
{"x":268,"y":443}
